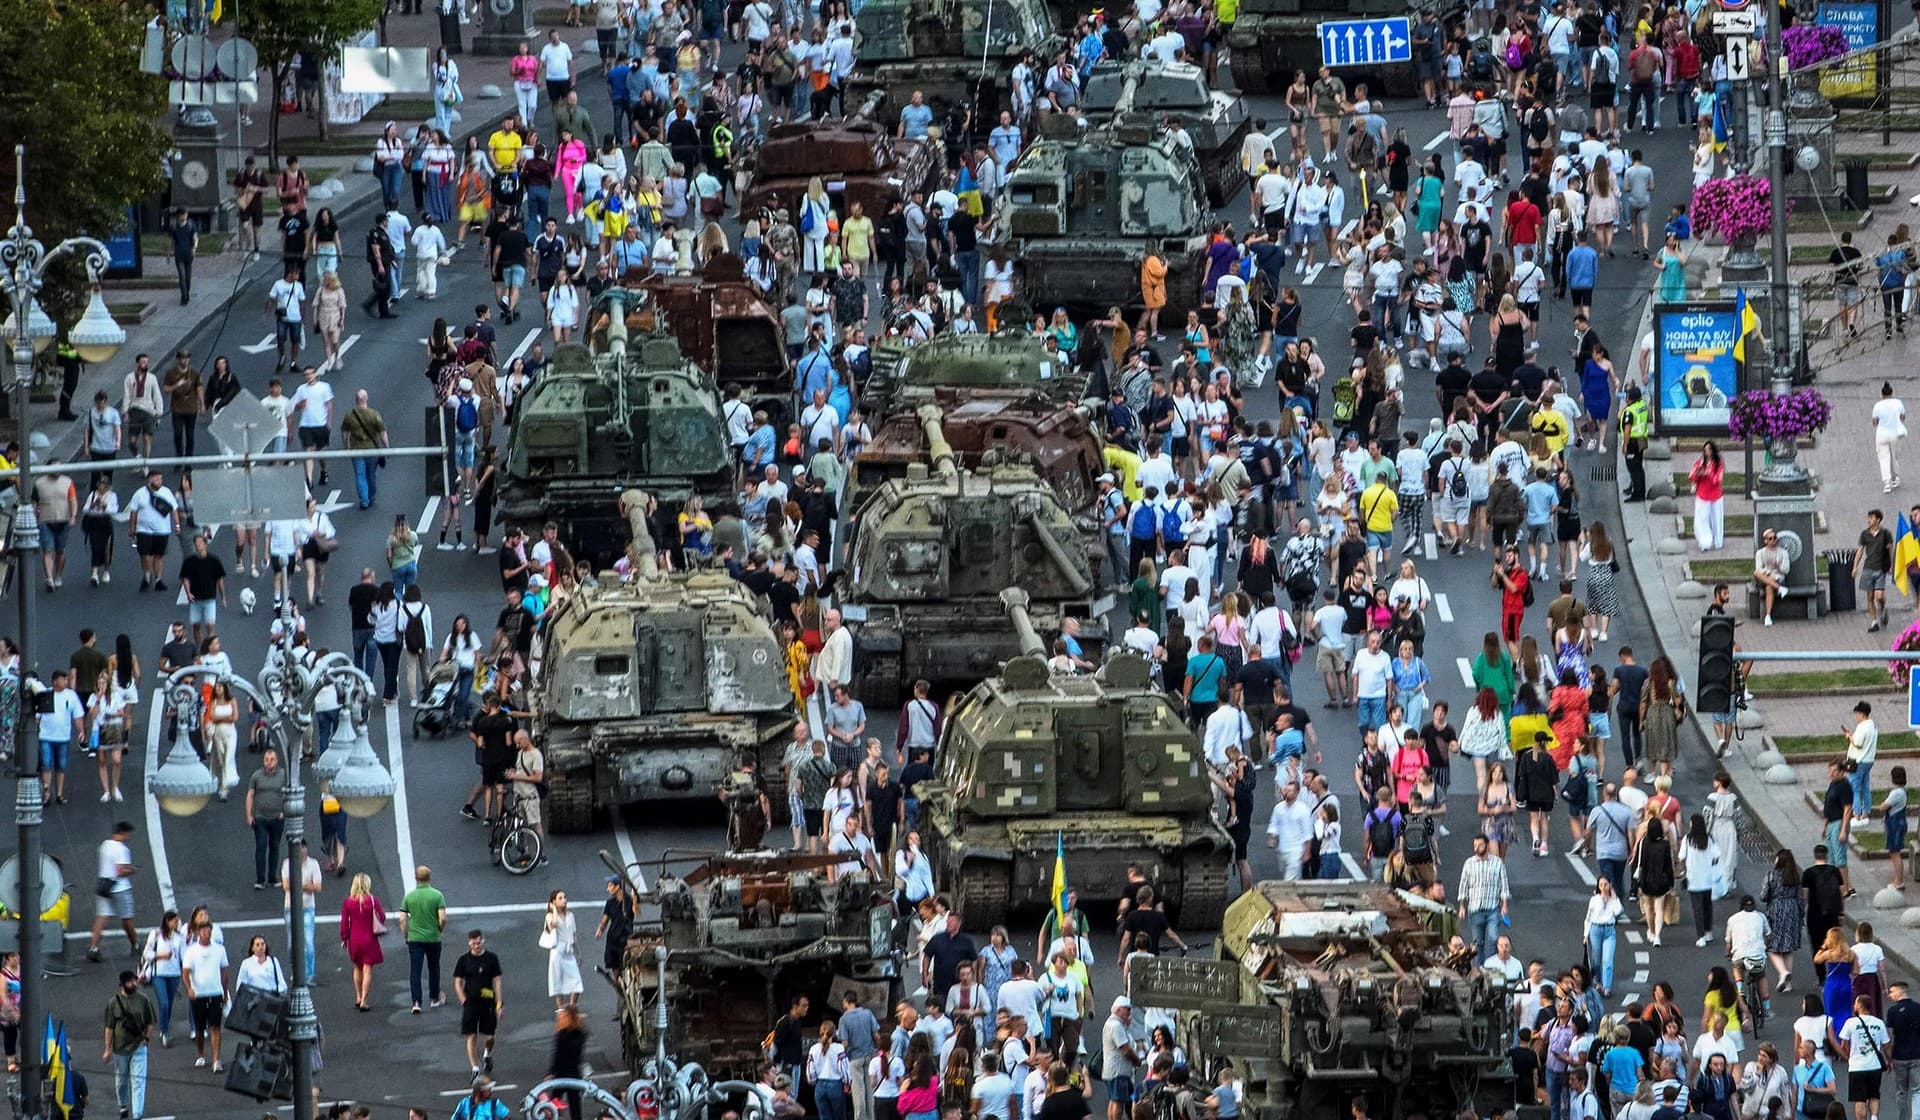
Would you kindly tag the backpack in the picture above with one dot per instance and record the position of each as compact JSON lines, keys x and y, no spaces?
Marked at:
{"x":1480,"y":65}
{"x":1526,"y":594}
{"x":1417,"y":840}
{"x":1166,"y":1102}
{"x":467,"y":417}
{"x":1172,"y":525}
{"x":1602,"y":68}
{"x":1382,"y":832}
{"x":416,"y":635}
{"x":806,"y":217}
{"x":1458,"y":487}
{"x":1346,"y":399}
{"x":1539,"y":124}
{"x":1140,"y":524}
{"x":1516,"y":54}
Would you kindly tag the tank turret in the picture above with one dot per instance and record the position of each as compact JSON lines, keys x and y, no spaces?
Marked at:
{"x":859,"y":158}
{"x":1272,"y":38}
{"x":1100,"y":765}
{"x":1319,"y":989}
{"x":955,"y":52}
{"x":654,"y":689}
{"x":1215,"y":122}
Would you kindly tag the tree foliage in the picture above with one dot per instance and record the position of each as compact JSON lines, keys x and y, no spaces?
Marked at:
{"x":72,"y":92}
{"x":280,"y":29}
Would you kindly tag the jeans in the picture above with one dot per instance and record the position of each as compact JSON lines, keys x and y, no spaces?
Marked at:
{"x":130,"y":1082}
{"x":1483,"y":929}
{"x":1702,"y":912}
{"x":1858,"y":780}
{"x":266,"y":848}
{"x":165,"y":989}
{"x":309,"y":924}
{"x":324,"y":724}
{"x":390,"y":175}
{"x":1386,"y":316}
{"x":1686,"y":102}
{"x":183,"y":270}
{"x":405,"y":576}
{"x":1906,"y":1082}
{"x":1600,"y":940}
{"x":1557,"y":1093}
{"x":1371,"y":711}
{"x":423,"y":955}
{"x":1632,"y":742}
{"x":364,"y":658}
{"x":365,"y":481}
{"x":1645,"y":97}
{"x":527,"y":100}
{"x":184,"y":431}
{"x":462,"y":694}
{"x":830,"y":1099}
{"x":442,"y":116}
{"x":969,"y":265}
{"x":1614,"y":871}
{"x":537,"y":206}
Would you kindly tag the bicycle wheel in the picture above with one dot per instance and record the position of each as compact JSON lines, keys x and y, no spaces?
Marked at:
{"x":520,"y":851}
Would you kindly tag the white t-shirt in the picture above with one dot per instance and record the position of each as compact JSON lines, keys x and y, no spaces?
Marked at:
{"x":1328,"y":627}
{"x":995,"y":1094}
{"x":1371,"y":668}
{"x":556,"y":59}
{"x":1867,"y":1040}
{"x":428,"y":241}
{"x":1155,"y":473}
{"x":287,"y":296}
{"x":202,"y":964}
{"x":1022,"y":998}
{"x":310,"y":402}
{"x":1706,"y":1046}
{"x":1747,"y":934}
{"x":1062,"y":994}
{"x":1889,"y":418}
{"x":147,"y":519}
{"x":265,"y":975}
{"x":56,"y":726}
{"x":1866,"y":958}
{"x":113,"y":856}
{"x":1863,"y":742}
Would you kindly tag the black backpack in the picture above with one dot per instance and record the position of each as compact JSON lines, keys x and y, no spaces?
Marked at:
{"x":1457,"y":488}
{"x":1381,"y":832}
{"x":1417,"y":839}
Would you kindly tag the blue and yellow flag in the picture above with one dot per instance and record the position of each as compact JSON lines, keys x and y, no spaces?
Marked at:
{"x":1060,"y":880}
{"x":214,"y":9}
{"x":1906,"y":552}
{"x":1720,"y":125}
{"x":1749,"y":324}
{"x":56,"y":1056}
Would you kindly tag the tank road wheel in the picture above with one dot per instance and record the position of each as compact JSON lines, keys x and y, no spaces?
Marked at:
{"x":878,"y":684}
{"x":1256,"y":70}
{"x":1203,"y":888}
{"x":569,"y":804}
{"x":980,"y":889}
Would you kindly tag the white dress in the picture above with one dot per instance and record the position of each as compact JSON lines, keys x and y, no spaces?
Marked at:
{"x":563,"y":962}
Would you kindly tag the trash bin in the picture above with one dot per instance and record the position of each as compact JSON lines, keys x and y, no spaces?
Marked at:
{"x":1856,"y":174}
{"x":1840,"y":589}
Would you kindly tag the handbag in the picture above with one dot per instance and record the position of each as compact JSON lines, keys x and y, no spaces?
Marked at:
{"x":103,"y":887}
{"x":379,"y":921}
{"x":547,"y":939}
{"x":1670,"y":908}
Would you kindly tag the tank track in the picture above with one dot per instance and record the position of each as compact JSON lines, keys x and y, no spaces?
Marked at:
{"x":569,"y":806}
{"x":1252,"y":72}
{"x":1203,"y":890}
{"x":981,"y":889}
{"x":879,"y":686}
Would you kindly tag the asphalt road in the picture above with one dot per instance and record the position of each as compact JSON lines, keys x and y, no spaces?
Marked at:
{"x":391,"y":1057}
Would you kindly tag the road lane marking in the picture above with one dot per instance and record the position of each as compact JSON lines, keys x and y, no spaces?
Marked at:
{"x":1635,"y":937}
{"x":426,"y":514}
{"x":1430,"y":544}
{"x":1313,"y":272}
{"x":1643,"y":958}
{"x":333,"y":363}
{"x":1640,"y":976}
{"x":1438,"y":139}
{"x":1352,"y":868}
{"x":334,"y":919}
{"x":260,"y":347}
{"x":1580,"y":868}
{"x":156,"y":843}
{"x":1632,"y":998}
{"x":1441,"y":604}
{"x":402,"y":815}
{"x":1466,"y":671}
{"x":521,"y":350}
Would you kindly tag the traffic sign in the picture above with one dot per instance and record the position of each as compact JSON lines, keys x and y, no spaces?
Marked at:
{"x":1736,"y":23}
{"x":1913,"y":709}
{"x":245,"y":426}
{"x":1737,"y":57}
{"x":1360,"y":42}
{"x":1733,"y":5}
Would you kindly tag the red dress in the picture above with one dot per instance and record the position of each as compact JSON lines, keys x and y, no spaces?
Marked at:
{"x":357,"y":917}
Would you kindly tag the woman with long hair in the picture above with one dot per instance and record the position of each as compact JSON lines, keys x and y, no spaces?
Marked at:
{"x":1708,"y":475}
{"x":330,"y":317}
{"x":107,"y":719}
{"x":559,"y":937}
{"x":1653,"y":872}
{"x":1662,"y":706}
{"x":1702,"y":860}
{"x":1867,"y":960}
{"x":359,"y":915}
{"x":1326,"y":835}
{"x":1483,"y":735}
{"x":220,"y":724}
{"x":1496,"y":808}
{"x":1601,"y":571}
{"x":1786,"y":911}
{"x":1836,"y":961}
{"x":1723,"y":998}
{"x":827,"y":1072}
{"x":1604,"y":911}
{"x":159,"y":962}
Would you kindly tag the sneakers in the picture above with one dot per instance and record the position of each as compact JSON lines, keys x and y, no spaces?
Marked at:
{"x":443,"y":546}
{"x":1702,"y":940}
{"x":1769,"y":621}
{"x":199,"y":1063}
{"x":416,"y":1009}
{"x":218,"y":1068}
{"x":486,"y":1061}
{"x":467,"y":812}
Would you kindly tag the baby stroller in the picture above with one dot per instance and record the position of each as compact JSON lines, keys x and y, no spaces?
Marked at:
{"x":433,"y":713}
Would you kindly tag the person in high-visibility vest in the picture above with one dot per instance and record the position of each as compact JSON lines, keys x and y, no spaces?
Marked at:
{"x":1635,"y":422}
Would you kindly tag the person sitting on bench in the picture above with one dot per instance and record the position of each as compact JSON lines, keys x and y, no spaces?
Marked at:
{"x":1770,"y":565}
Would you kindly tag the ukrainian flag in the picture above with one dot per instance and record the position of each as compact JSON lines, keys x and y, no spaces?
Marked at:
{"x":214,"y":10}
{"x":1721,"y":126}
{"x":1906,"y":551}
{"x":56,"y":1057}
{"x":1060,"y":880}
{"x":1749,"y":324}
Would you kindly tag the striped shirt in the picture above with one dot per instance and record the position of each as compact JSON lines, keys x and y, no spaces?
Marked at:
{"x":1483,"y":883}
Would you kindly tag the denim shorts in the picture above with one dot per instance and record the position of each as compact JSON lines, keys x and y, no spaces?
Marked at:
{"x":466,"y":448}
{"x":202,"y":612}
{"x":1380,"y":540}
{"x":53,"y":755}
{"x":514,"y":276}
{"x":53,"y":535}
{"x":1897,"y":833}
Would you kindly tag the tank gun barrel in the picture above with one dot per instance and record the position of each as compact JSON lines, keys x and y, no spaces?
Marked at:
{"x":939,"y":451}
{"x":1015,"y":601}
{"x":869,"y":109}
{"x":640,"y":552}
{"x":1075,"y":574}
{"x":1129,"y":87}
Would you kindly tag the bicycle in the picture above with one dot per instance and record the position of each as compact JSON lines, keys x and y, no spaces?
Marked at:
{"x":1753,"y":998}
{"x":512,"y":842}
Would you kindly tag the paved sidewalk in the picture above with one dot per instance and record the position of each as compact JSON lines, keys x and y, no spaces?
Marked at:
{"x":1783,"y":808}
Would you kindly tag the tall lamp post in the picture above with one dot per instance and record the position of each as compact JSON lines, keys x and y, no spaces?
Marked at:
{"x":285,"y":693}
{"x":24,"y":262}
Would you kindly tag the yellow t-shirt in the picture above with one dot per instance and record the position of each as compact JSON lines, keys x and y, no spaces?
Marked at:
{"x":856,"y":238}
{"x":1125,"y":466}
{"x":1713,"y":1004}
{"x":1552,"y":423}
{"x":1379,"y":503}
{"x":1226,"y":11}
{"x":505,"y":146}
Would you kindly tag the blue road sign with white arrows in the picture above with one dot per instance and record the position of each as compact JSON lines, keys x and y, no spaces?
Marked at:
{"x":1362,"y":42}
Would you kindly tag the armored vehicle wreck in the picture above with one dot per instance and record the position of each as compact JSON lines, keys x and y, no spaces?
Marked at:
{"x":1272,"y":38}
{"x":906,"y":375}
{"x":727,"y":328}
{"x":953,"y":51}
{"x":1101,"y":764}
{"x":929,"y":556}
{"x":1058,"y":441}
{"x":1216,"y":122}
{"x":858,"y":159}
{"x":745,"y":934}
{"x":655,"y":689}
{"x":632,"y":412}
{"x":1326,"y":991}
{"x":1084,"y":207}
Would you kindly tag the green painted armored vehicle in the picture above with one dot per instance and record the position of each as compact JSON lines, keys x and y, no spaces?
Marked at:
{"x":1271,"y":39}
{"x":953,"y":51}
{"x":655,"y":689}
{"x":930,"y":554}
{"x":1215,"y":122}
{"x":1101,"y":765}
{"x":1085,"y":206}
{"x":1326,"y":991}
{"x":629,"y":412}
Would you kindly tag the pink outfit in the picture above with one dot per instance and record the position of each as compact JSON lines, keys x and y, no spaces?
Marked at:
{"x":524,"y":68}
{"x":573,"y":156}
{"x":357,"y":916}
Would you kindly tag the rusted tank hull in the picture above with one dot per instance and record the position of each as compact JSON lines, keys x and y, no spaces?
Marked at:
{"x":950,"y":642}
{"x":1058,"y":441}
{"x":662,"y":758}
{"x":857,"y":162}
{"x":725,"y":327}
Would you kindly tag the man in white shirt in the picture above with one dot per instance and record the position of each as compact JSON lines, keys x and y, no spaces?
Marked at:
{"x":1289,"y":829}
{"x":203,"y":972}
{"x":1504,"y":963}
{"x":856,"y":846}
{"x":1747,"y":931}
{"x":155,"y":515}
{"x":556,"y":65}
{"x":1228,"y":726}
{"x":313,"y":418}
{"x":1331,"y":648}
{"x":1371,"y":669}
{"x":428,"y":243}
{"x":1272,"y":193}
{"x":819,"y":421}
{"x":1863,"y":748}
{"x":1268,"y":630}
{"x":1865,"y":1041}
{"x":1309,"y":216}
{"x":284,"y":302}
{"x":994,"y":1092}
{"x":1716,"y":1041}
{"x":1156,"y":471}
{"x":1173,"y":581}
{"x":62,"y":723}
{"x":1020,"y":997}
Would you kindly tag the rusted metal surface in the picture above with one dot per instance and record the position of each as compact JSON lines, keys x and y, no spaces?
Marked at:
{"x":1058,"y":441}
{"x":857,"y":161}
{"x":724,"y":326}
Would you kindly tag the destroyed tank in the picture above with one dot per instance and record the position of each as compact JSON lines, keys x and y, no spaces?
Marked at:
{"x":631,"y":412}
{"x":744,"y":935}
{"x":1084,"y":206}
{"x":929,"y":556}
{"x":1099,"y":767}
{"x":1270,"y":39}
{"x":726,"y":327}
{"x":1216,"y":122}
{"x":655,"y":689}
{"x":858,"y":159}
{"x":953,"y":51}
{"x":1323,"y":992}
{"x":907,"y":374}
